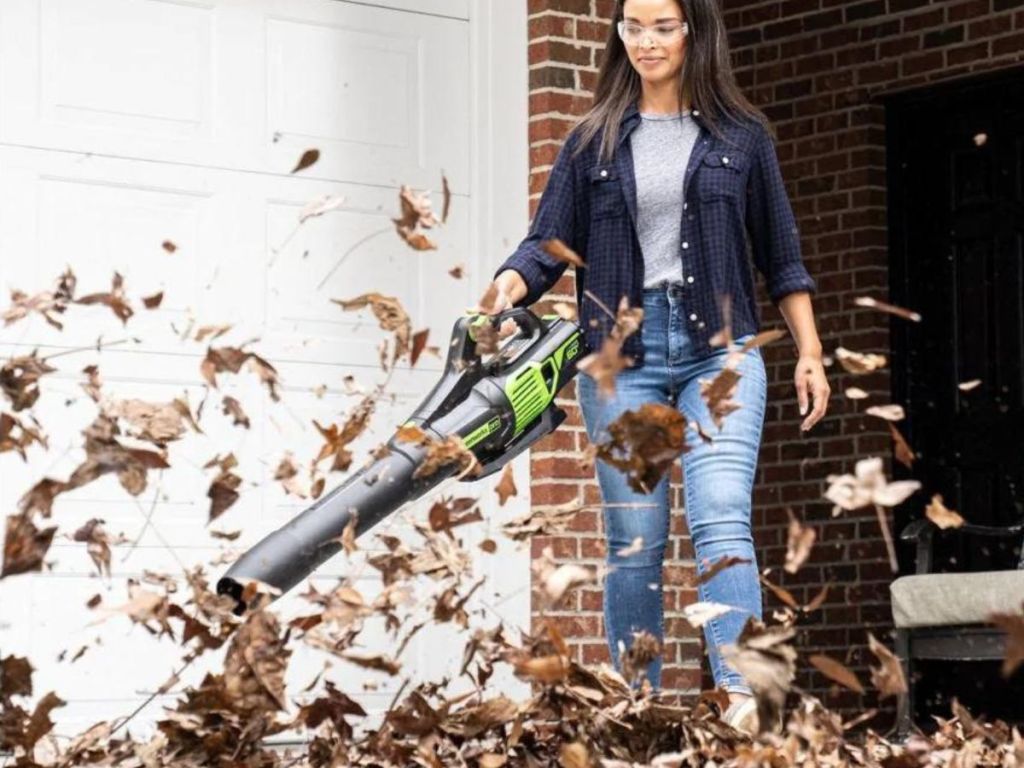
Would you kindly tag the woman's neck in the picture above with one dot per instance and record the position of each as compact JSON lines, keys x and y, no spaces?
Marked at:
{"x":662,"y":99}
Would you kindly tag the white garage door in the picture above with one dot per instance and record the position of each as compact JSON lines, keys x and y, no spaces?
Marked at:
{"x":125,"y":124}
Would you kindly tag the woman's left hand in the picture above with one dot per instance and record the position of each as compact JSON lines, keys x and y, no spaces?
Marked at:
{"x":809,"y":378}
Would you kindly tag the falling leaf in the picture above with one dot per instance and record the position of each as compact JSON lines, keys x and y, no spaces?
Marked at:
{"x":19,"y":379}
{"x":419,"y":342}
{"x":559,"y":251}
{"x":635,"y":546}
{"x":645,"y":443}
{"x":893,"y":412}
{"x":444,"y":453}
{"x":152,"y":302}
{"x":25,"y":546}
{"x":699,"y":614}
{"x":798,"y":543}
{"x":115,"y":299}
{"x":337,"y":439}
{"x":446,"y":198}
{"x":766,"y":662}
{"x":867,"y":301}
{"x":858,"y":363}
{"x":901,"y":448}
{"x":211,"y":331}
{"x":416,"y":212}
{"x":887,"y":678}
{"x":168,"y":246}
{"x":726,"y":561}
{"x":938,"y":513}
{"x":231,"y":360}
{"x":47,"y":304}
{"x":97,"y":544}
{"x":309,"y":157}
{"x":320,"y":206}
{"x":287,"y":473}
{"x":390,"y":315}
{"x":1013,"y":625}
{"x":835,"y":670}
{"x":506,"y":486}
{"x":231,"y":407}
{"x":223,"y":490}
{"x":605,"y":365}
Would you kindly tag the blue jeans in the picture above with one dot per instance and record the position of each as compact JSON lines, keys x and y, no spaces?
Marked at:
{"x":718,"y":479}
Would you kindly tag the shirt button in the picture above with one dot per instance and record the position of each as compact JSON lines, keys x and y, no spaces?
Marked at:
{"x":604,"y":173}
{"x":700,"y":324}
{"x":725,"y":159}
{"x":693,"y":317}
{"x":696,"y":111}
{"x":686,"y":245}
{"x":689,"y":279}
{"x":684,"y":206}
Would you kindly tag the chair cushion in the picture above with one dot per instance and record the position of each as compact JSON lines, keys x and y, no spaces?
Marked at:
{"x":935,"y":599}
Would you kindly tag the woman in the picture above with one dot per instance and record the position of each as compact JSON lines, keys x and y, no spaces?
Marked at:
{"x":662,"y":208}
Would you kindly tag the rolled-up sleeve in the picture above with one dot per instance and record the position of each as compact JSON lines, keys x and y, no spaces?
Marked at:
{"x":555,"y":218}
{"x":771,"y":226}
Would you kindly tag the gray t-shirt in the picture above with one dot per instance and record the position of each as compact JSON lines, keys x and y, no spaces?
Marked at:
{"x":661,"y":147}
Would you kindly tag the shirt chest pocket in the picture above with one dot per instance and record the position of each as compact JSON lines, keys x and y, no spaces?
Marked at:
{"x":722,"y":174}
{"x":606,"y":197}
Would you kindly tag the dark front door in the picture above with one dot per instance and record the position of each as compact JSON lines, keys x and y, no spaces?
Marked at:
{"x":956,"y":226}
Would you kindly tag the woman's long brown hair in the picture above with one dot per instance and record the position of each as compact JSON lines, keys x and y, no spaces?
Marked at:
{"x":707,"y":77}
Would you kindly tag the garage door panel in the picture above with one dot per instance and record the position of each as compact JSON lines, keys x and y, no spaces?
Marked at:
{"x":242,"y":85}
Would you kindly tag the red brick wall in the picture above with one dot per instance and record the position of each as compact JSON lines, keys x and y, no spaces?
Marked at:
{"x":815,"y":67}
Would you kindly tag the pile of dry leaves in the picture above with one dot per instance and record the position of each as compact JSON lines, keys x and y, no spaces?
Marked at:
{"x":576,"y":715}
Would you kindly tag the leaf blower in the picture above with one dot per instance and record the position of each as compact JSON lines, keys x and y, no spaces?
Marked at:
{"x":499,"y":403}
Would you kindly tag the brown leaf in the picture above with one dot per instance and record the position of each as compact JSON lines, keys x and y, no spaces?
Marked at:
{"x":168,"y":246}
{"x":605,"y":365}
{"x":153,"y":302}
{"x":719,"y":565}
{"x":115,"y":299}
{"x":223,"y":490}
{"x":859,"y":363}
{"x":458,"y":271}
{"x":337,"y":439}
{"x":506,"y":486}
{"x":888,"y":678}
{"x":444,"y":453}
{"x":231,"y":407}
{"x":901,"y":448}
{"x":645,"y":443}
{"x":559,"y":251}
{"x":98,"y":544}
{"x":378,"y":661}
{"x":867,"y":301}
{"x":19,"y":379}
{"x":768,"y":664}
{"x":937,"y":512}
{"x":159,"y":423}
{"x":446,"y":198}
{"x":835,"y":670}
{"x":1013,"y":625}
{"x":419,"y":341}
{"x":25,"y":546}
{"x":799,"y":541}
{"x":255,"y":665}
{"x":231,"y":360}
{"x":309,"y":157}
{"x":390,"y":315}
{"x":447,"y":514}
{"x":416,"y":212}
{"x":46,"y":304}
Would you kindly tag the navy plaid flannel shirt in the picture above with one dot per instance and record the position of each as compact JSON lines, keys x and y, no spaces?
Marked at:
{"x":735,"y":207}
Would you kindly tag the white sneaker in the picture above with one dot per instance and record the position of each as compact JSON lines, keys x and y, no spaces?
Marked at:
{"x":742,"y":715}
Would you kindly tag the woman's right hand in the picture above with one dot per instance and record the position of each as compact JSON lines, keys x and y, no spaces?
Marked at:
{"x":507,"y":288}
